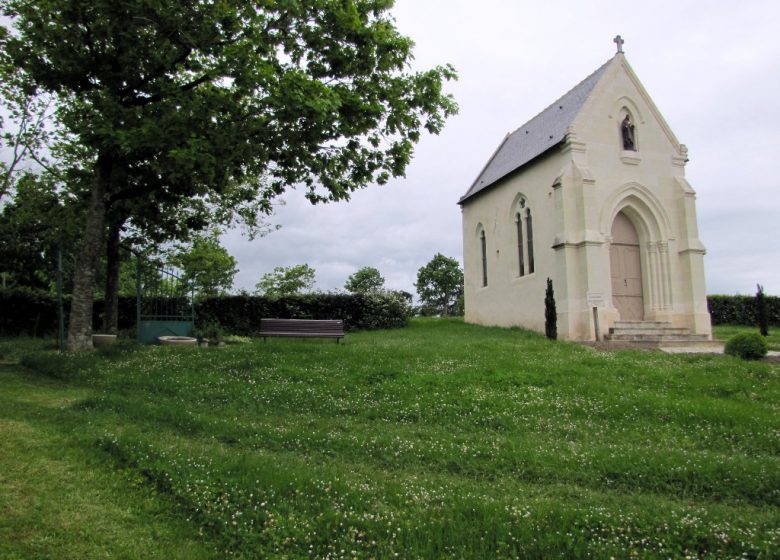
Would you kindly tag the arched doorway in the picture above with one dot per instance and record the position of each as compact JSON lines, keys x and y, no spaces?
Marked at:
{"x":626,"y":270}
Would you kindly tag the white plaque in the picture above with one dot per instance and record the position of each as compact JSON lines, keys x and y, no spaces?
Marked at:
{"x":595,"y":300}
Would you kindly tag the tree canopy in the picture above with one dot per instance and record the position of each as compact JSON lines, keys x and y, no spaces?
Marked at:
{"x":440,"y":283}
{"x":34,"y":225}
{"x":222,"y":102}
{"x":286,"y":280}
{"x":367,"y":280}
{"x":207,"y":265}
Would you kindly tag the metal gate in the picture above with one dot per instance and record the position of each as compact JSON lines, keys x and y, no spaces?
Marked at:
{"x":165,"y":302}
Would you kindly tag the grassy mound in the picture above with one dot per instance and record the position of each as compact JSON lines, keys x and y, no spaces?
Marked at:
{"x":440,"y":440}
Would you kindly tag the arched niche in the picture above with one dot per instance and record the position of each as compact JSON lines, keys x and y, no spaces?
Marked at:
{"x":641,"y":205}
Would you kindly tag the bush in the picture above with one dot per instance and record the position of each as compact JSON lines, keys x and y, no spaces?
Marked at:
{"x":34,"y":312}
{"x":741,"y":310}
{"x":210,"y":331}
{"x":241,"y":314}
{"x":27,"y":311}
{"x":748,"y":346}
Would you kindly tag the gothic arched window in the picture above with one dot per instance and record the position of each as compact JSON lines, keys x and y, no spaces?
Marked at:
{"x":520,"y":244}
{"x":483,"y":243}
{"x":524,"y":230}
{"x":530,"y":240}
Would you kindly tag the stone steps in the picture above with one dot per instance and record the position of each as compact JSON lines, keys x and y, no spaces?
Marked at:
{"x":657,"y":337}
{"x":656,"y":333}
{"x":671,"y":331}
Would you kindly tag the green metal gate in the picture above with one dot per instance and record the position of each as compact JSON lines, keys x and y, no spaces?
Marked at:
{"x":165,"y":302}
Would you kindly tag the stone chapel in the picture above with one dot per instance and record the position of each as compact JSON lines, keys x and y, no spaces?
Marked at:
{"x":591,"y":193}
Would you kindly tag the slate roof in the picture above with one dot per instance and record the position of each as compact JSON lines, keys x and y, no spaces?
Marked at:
{"x":544,"y":131}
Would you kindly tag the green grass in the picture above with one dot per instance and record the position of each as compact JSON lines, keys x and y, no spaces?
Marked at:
{"x":438,"y":440}
{"x":58,"y":499}
{"x":724,"y":332}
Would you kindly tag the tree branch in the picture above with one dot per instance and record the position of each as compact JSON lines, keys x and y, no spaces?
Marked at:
{"x":143,"y":101}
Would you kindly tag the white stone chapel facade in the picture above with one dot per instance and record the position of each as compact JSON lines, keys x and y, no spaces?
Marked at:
{"x":592,"y":194}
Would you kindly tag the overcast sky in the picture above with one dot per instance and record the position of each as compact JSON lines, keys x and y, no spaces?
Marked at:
{"x":713,"y":69}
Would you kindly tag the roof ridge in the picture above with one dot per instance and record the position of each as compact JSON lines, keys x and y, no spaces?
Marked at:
{"x":517,"y":149}
{"x":551,"y":105}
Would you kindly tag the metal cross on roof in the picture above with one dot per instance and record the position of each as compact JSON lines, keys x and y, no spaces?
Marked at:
{"x":619,"y":42}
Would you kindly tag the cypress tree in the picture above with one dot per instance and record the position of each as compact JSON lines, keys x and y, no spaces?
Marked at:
{"x":550,"y":315}
{"x":761,"y":311}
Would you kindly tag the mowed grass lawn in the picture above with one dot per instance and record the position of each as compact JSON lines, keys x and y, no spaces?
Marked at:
{"x":440,"y":440}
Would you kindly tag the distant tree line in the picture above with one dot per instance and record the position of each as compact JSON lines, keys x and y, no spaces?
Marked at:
{"x":286,"y":292}
{"x":32,"y":311}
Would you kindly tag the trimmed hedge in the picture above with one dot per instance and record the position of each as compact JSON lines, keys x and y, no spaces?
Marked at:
{"x":27,"y":311}
{"x":741,"y":310}
{"x":33,"y":312}
{"x":241,"y":314}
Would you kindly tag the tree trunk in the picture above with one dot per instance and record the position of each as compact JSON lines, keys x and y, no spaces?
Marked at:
{"x":113,"y":262}
{"x":80,"y":325}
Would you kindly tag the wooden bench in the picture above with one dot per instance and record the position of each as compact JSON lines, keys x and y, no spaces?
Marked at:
{"x":304,"y":328}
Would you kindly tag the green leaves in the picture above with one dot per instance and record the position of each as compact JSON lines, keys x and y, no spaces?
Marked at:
{"x":440,"y":283}
{"x":285,"y":281}
{"x":207,"y":265}
{"x":175,"y":106}
{"x":367,"y":280}
{"x":312,"y":92}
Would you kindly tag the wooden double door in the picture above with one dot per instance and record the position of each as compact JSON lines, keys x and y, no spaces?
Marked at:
{"x":626,"y":270}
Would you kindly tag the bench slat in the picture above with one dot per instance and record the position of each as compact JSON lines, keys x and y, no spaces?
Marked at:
{"x":308,"y":328}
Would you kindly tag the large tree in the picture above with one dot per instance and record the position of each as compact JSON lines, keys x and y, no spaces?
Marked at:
{"x":193,"y":100}
{"x":207,"y":265}
{"x":440,"y":283}
{"x":286,"y":281}
{"x":367,"y":280}
{"x":143,"y":225}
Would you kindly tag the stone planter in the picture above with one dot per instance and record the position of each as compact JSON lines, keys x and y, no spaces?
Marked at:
{"x":177,"y":341}
{"x":101,"y":340}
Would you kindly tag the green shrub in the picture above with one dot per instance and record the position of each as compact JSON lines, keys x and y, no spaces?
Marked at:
{"x":34,"y":312}
{"x":27,"y":311}
{"x":241,"y":314}
{"x":748,"y":346}
{"x":742,"y":310}
{"x":210,"y":331}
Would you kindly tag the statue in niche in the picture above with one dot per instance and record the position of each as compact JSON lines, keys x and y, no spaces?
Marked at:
{"x":627,"y":131}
